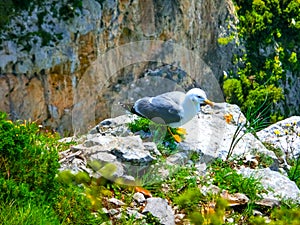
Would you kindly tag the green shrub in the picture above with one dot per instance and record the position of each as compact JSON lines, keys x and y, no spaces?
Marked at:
{"x":189,"y":199}
{"x":31,"y":192}
{"x":5,"y":12}
{"x":193,"y":203}
{"x":285,"y":215}
{"x":139,"y":124}
{"x":28,"y":159}
{"x":233,"y":91}
{"x":270,"y":30}
{"x":225,"y":40}
{"x":73,"y":207}
{"x":180,"y":178}
{"x":279,"y":216}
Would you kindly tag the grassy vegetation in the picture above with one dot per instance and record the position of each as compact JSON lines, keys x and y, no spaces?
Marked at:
{"x":228,"y":179}
{"x":165,"y":141}
{"x":30,"y":190}
{"x":34,"y":192}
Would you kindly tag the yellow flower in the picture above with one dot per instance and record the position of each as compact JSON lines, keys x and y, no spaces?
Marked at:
{"x":228,"y":117}
{"x":277,"y":132}
{"x":286,"y":131}
{"x":288,"y":125}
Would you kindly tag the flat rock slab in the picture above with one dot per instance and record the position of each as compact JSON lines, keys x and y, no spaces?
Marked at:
{"x":278,"y":186}
{"x":129,"y":149}
{"x":159,"y":208}
{"x":284,"y":135}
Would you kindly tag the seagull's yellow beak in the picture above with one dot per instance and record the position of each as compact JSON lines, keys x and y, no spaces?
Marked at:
{"x":208,"y":102}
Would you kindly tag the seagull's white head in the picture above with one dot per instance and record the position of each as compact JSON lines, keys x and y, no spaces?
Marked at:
{"x":198,"y":96}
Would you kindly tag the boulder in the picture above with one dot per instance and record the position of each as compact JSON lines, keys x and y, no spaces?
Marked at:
{"x":284,"y":135}
{"x":109,"y":149}
{"x":278,"y":186}
{"x":211,"y":136}
{"x":160,"y":208}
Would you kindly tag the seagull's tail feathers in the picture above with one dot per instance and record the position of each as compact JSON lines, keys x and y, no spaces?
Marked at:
{"x":129,"y":107}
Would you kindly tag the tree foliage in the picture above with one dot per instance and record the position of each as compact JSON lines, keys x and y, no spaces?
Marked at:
{"x":270,"y":31}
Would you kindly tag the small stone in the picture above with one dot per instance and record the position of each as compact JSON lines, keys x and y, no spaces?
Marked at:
{"x":159,"y":208}
{"x":115,"y":201}
{"x":201,"y":168}
{"x":251,"y":161}
{"x":103,"y":157}
{"x":268,"y":202}
{"x":151,"y":147}
{"x":267,"y":219}
{"x":165,"y":188}
{"x":105,"y":210}
{"x":135,"y":213}
{"x":211,"y":189}
{"x":230,"y":220}
{"x":235,"y":199}
{"x":113,"y":211}
{"x":131,"y":150}
{"x":139,"y":197}
{"x":257,"y":213}
{"x":179,"y":217}
{"x":67,"y":139}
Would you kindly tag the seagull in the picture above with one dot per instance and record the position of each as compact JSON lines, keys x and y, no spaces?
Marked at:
{"x":173,"y":109}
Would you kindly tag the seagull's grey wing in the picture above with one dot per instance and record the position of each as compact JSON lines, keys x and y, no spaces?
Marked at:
{"x":176,"y":96}
{"x":159,"y":107}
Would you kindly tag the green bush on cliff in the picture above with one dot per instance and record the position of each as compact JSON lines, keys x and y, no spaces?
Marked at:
{"x":27,"y":158}
{"x":30,"y":192}
{"x":270,"y":30}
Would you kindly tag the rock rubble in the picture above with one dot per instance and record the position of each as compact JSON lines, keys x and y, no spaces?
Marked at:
{"x":112,"y":151}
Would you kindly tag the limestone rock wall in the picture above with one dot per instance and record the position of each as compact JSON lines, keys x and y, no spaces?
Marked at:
{"x":52,"y":70}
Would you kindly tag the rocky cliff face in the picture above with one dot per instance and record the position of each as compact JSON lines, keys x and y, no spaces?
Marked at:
{"x":66,"y":68}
